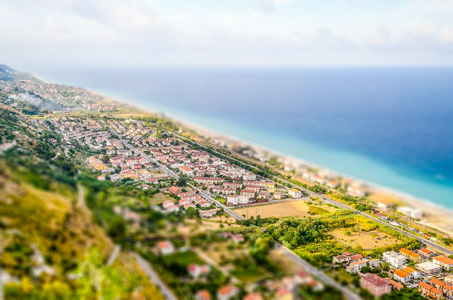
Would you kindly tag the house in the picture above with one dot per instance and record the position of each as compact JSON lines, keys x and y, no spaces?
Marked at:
{"x":263,"y":195}
{"x":248,"y":193}
{"x":356,"y":266}
{"x":165,"y":248}
{"x":375,"y":263}
{"x":255,"y":188}
{"x":196,"y":271}
{"x":437,"y":283}
{"x":290,"y":283}
{"x":383,"y":205}
{"x":375,"y":285}
{"x":208,"y":180}
{"x":279,"y":195}
{"x":235,"y":200}
{"x":303,"y":278}
{"x":427,"y":253}
{"x":189,"y":205}
{"x":412,"y":272}
{"x":232,"y":185}
{"x":152,"y":180}
{"x":429,"y":291}
{"x":447,"y":290}
{"x":284,"y":294}
{"x":341,"y":259}
{"x":415,"y":257}
{"x":167,"y":203}
{"x":253,"y":296}
{"x":411,"y":212}
{"x":295,"y":193}
{"x":208,"y":213}
{"x":394,"y":259}
{"x":204,"y":203}
{"x":186,"y":194}
{"x":396,"y":285}
{"x":237,"y":238}
{"x":174,"y":190}
{"x":203,"y":295}
{"x":405,"y":252}
{"x":186,"y":171}
{"x":172,"y":208}
{"x":227,"y":292}
{"x":443,"y":261}
{"x":401,"y":276}
{"x":429,"y":268}
{"x":356,"y":257}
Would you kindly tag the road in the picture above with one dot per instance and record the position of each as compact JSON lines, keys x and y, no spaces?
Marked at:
{"x":340,"y":204}
{"x":166,"y":292}
{"x":296,"y":259}
{"x":80,"y":196}
{"x":207,"y":259}
{"x":318,"y":273}
{"x":114,"y":255}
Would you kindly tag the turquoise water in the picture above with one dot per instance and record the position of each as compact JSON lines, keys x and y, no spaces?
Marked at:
{"x":391,"y":127}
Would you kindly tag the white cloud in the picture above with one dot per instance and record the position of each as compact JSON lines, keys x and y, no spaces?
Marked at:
{"x":140,"y":33}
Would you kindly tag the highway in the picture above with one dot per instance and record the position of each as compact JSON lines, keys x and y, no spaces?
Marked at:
{"x":296,"y":259}
{"x":342,"y":205}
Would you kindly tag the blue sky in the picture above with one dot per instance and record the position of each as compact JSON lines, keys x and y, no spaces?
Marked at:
{"x":39,"y":34}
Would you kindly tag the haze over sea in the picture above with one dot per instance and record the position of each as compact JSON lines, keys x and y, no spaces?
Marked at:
{"x":388,"y":126}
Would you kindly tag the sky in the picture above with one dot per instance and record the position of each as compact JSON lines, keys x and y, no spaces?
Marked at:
{"x":56,"y":34}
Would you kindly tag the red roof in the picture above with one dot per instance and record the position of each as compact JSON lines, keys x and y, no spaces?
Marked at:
{"x":375,"y":280}
{"x":425,"y":285}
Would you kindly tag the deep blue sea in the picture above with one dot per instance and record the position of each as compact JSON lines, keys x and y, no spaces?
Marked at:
{"x":389,"y":126}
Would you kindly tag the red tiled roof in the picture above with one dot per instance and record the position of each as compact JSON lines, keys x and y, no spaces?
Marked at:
{"x":425,"y":285}
{"x":375,"y":280}
{"x":401,"y":273}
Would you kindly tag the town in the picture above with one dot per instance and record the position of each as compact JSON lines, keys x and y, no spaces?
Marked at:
{"x":203,"y":221}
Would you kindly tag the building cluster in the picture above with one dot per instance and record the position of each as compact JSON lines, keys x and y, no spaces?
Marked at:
{"x":421,"y":268}
{"x":186,"y":200}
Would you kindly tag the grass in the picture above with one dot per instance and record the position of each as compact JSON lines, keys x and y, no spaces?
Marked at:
{"x":367,"y":239}
{"x":61,"y":230}
{"x":159,"y":198}
{"x":250,"y":274}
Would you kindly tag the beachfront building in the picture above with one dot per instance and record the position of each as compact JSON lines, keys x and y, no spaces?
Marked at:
{"x":375,"y":285}
{"x":410,"y":212}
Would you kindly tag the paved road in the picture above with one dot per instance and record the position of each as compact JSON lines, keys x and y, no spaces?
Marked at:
{"x":318,"y":273}
{"x":207,"y":259}
{"x":114,"y":255}
{"x":296,"y":259}
{"x":80,"y":196}
{"x":342,"y":205}
{"x":168,"y":294}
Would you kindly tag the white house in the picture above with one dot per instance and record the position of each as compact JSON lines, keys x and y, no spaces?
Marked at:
{"x":394,"y":259}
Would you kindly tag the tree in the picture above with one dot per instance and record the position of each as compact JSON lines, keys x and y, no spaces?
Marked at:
{"x":182,"y":181}
{"x":117,"y":229}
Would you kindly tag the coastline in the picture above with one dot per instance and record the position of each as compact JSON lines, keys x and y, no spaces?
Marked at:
{"x":437,"y":216}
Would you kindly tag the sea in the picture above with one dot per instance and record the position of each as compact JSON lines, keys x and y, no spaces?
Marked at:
{"x":389,"y":126}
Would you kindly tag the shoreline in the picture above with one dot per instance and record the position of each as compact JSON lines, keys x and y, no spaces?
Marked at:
{"x":428,"y":207}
